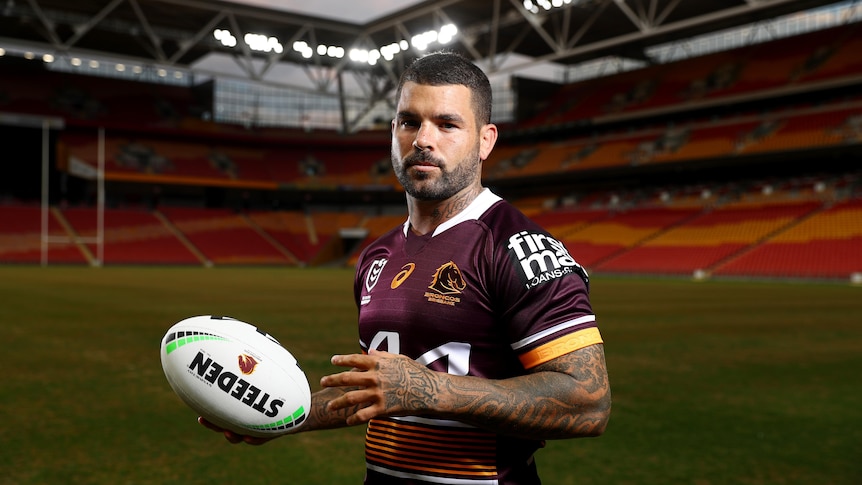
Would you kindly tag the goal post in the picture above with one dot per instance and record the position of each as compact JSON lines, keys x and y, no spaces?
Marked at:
{"x":98,"y":175}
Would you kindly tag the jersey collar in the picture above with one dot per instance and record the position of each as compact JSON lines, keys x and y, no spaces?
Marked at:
{"x":480,"y":204}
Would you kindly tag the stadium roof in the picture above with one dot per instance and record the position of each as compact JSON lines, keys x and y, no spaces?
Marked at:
{"x":180,"y":33}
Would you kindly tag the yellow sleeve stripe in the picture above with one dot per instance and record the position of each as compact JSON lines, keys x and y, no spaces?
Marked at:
{"x":561,"y":346}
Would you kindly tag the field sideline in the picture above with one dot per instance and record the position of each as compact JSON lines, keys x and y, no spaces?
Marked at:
{"x":713,"y":382}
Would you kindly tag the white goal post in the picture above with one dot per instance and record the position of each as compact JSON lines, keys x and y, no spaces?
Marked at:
{"x":99,"y":175}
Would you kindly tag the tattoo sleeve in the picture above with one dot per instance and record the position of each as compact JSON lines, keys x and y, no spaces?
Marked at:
{"x":566,"y":397}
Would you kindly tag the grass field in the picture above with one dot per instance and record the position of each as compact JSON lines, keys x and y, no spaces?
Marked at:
{"x":713,"y":382}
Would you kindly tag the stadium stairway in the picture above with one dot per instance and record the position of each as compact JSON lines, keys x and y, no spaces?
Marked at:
{"x":224,"y":237}
{"x":182,"y":239}
{"x":273,"y":241}
{"x":74,"y":236}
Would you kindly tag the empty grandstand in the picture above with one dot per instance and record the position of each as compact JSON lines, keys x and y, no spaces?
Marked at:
{"x":735,"y":162}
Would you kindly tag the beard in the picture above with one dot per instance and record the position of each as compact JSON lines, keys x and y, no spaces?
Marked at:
{"x":429,"y":186}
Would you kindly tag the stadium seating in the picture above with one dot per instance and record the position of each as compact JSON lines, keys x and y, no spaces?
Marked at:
{"x":797,"y":61}
{"x":290,"y":230}
{"x":594,"y":238}
{"x":780,"y":228}
{"x":224,"y":237}
{"x":708,"y":238}
{"x":828,"y":244}
{"x":130,"y":237}
{"x":151,"y":159}
{"x":21,"y":237}
{"x":376,"y":227}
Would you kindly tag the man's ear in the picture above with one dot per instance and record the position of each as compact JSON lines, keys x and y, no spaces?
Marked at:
{"x":487,"y":140}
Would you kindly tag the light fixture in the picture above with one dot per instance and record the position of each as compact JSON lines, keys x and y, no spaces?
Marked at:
{"x":535,"y":6}
{"x":421,"y":42}
{"x":262,"y":43}
{"x":225,"y":37}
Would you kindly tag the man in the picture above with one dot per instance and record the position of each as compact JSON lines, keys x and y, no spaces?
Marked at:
{"x":478,"y":338}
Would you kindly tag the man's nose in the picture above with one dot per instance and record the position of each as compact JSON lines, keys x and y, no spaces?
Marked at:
{"x":424,"y":138}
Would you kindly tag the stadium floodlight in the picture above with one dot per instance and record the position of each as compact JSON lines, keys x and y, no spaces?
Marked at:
{"x":358,"y":55}
{"x":47,"y":58}
{"x":447,"y":33}
{"x":263,"y":43}
{"x":225,"y":37}
{"x":303,"y":48}
{"x":535,"y":7}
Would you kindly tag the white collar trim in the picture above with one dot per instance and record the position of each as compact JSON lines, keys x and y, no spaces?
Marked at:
{"x":480,"y":204}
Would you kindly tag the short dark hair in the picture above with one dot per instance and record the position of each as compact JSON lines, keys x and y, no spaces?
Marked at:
{"x":444,"y":68}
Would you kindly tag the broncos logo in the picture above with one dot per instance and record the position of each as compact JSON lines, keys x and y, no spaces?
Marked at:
{"x":448,"y":280}
{"x":246,"y":363}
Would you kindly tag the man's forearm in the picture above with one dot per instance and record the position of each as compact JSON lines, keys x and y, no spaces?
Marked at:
{"x":565,"y":398}
{"x":320,"y":417}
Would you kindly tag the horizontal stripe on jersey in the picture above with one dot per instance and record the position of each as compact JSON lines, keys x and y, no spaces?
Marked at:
{"x":430,"y":452}
{"x":561,"y":346}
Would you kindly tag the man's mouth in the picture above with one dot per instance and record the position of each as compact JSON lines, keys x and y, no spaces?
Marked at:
{"x":421,"y":163}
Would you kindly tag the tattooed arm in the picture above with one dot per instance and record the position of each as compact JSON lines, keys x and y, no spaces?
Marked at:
{"x":566,"y":397}
{"x":319,"y":417}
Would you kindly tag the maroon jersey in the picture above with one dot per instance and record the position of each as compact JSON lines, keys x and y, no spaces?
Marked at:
{"x":488,"y":294}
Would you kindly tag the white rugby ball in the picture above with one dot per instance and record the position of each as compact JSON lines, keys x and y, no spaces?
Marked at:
{"x":235,"y":375}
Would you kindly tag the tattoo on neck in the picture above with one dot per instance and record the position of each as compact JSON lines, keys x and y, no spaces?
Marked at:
{"x":452,"y":207}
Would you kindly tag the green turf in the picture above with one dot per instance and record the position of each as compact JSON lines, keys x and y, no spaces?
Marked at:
{"x":713,"y":382}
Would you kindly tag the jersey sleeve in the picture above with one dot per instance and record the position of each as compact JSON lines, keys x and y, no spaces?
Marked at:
{"x":543,"y":293}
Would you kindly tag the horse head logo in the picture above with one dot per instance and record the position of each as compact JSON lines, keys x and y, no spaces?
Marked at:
{"x":448,"y":280}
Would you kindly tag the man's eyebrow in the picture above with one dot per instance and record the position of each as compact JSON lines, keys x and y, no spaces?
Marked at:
{"x":438,"y":117}
{"x":449,"y":117}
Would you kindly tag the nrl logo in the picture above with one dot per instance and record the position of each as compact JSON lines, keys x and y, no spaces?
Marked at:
{"x":374,"y":272}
